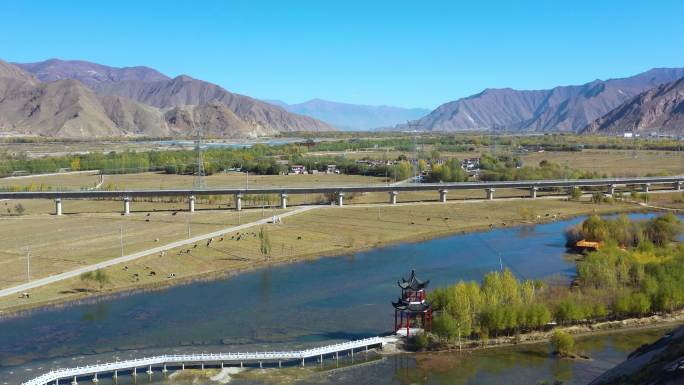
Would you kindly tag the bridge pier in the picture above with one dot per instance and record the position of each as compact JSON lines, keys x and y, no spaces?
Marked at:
{"x":340,"y":199}
{"x":645,"y":187}
{"x":149,"y":370}
{"x":302,"y":362}
{"x":191,"y":203}
{"x":74,"y":382}
{"x":58,"y":206}
{"x":221,"y":364}
{"x":183,"y":366}
{"x":116,"y":374}
{"x":280,"y":363}
{"x":95,"y":380}
{"x":238,"y":202}
{"x":126,"y":206}
{"x":261,"y":365}
{"x":611,"y":189}
{"x":393,"y":197}
{"x":490,"y":193}
{"x":164,"y":370}
{"x":283,"y":201}
{"x":678,"y":186}
{"x":443,"y":195}
{"x":533,"y":192}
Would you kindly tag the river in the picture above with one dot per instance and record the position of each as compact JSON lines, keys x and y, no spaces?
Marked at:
{"x":283,"y":307}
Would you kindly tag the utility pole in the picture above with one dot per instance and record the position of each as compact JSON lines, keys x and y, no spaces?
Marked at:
{"x":28,"y":263}
{"x":121,"y":241}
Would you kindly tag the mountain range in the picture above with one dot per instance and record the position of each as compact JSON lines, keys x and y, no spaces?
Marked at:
{"x":79,"y":99}
{"x":563,"y":108}
{"x":660,"y":108}
{"x":59,"y":98}
{"x":354,"y":117}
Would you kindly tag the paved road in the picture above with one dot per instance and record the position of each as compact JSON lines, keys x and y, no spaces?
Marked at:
{"x":130,"y":257}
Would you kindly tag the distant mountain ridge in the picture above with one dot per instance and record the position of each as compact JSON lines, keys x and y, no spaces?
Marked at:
{"x":355,"y":117}
{"x":83,"y":99}
{"x":659,"y":109}
{"x":90,"y":74}
{"x":563,"y":108}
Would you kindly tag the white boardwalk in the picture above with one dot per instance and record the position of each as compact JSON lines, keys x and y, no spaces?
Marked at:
{"x":181,"y":360}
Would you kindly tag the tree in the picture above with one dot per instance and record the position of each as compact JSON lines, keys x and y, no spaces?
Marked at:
{"x":86,"y":278}
{"x":264,"y":242}
{"x":444,"y":325}
{"x":75,"y":164}
{"x":101,"y":277}
{"x":562,"y":343}
{"x":575,"y":193}
{"x":422,"y":165}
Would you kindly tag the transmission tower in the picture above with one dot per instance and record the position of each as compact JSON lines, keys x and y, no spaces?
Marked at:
{"x":413,"y":127}
{"x":199,"y":183}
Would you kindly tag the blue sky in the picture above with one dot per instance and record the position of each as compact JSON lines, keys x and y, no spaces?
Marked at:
{"x":405,"y":53}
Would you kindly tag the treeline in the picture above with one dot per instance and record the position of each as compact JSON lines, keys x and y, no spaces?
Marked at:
{"x":500,"y":304}
{"x":508,"y":168}
{"x":258,"y":159}
{"x":612,"y":283}
{"x":449,"y":171}
{"x":623,"y":232}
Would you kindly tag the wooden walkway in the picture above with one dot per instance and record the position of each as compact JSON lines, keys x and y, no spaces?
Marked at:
{"x":160,"y":363}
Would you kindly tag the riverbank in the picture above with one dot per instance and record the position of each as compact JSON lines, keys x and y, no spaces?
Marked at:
{"x":655,"y":321}
{"x":326,"y":231}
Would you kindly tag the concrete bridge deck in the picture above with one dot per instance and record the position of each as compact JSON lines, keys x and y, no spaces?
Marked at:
{"x":533,"y":186}
{"x":160,"y":363}
{"x":345,"y":189}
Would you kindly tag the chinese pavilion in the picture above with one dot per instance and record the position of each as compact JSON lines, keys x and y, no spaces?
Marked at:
{"x":411,"y":306}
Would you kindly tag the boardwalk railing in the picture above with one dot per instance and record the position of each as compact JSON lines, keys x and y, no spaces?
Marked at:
{"x":199,"y":359}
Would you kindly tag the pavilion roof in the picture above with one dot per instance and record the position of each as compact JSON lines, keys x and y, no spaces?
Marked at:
{"x":404,"y":305}
{"x":412,"y":283}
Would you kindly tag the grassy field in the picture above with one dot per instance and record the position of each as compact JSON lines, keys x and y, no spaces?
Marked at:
{"x":58,"y":244}
{"x":87,"y":238}
{"x":617,"y":163}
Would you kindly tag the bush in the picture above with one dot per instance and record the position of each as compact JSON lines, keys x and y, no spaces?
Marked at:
{"x":418,"y":342}
{"x":575,"y":193}
{"x":562,"y":343}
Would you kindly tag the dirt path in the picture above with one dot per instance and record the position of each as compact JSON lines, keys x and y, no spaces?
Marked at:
{"x":130,"y":257}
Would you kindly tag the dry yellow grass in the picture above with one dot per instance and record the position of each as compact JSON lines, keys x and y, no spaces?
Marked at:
{"x":615,"y":162}
{"x":322,"y":231}
{"x":59,"y":244}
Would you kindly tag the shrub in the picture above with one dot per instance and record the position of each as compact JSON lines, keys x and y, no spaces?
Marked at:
{"x":562,"y":343}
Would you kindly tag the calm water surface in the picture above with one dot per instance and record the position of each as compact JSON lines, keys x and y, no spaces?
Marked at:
{"x":286,"y":307}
